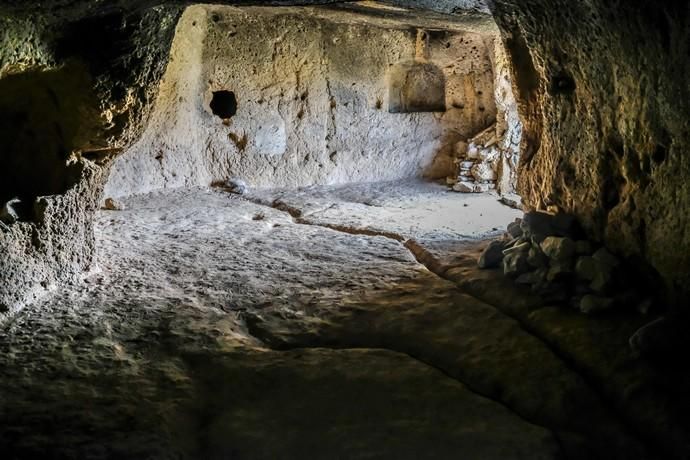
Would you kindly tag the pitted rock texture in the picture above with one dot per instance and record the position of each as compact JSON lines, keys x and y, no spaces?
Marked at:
{"x":209,"y":330}
{"x":80,"y":78}
{"x":108,"y":65}
{"x":74,"y":89}
{"x":604,"y":95}
{"x":155,"y":355}
{"x":489,"y":160}
{"x":312,"y":102}
{"x":54,"y":242}
{"x":605,"y":108}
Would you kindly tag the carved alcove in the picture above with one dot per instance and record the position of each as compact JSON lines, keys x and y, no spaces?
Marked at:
{"x":416,"y":87}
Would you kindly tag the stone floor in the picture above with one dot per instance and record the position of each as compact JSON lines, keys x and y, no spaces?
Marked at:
{"x":345,"y":322}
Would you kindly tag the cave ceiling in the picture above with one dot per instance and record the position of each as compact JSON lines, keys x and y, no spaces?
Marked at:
{"x":431,"y":13}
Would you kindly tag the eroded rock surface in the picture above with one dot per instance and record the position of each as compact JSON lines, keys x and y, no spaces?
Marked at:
{"x":154,"y":356}
{"x":311,"y":100}
{"x":603,"y":93}
{"x":74,"y":89}
{"x":51,"y":241}
{"x":181,"y":309}
{"x":217,"y":322}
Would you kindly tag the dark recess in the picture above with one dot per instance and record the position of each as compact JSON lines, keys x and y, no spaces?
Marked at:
{"x":562,"y":84}
{"x":224,"y":104}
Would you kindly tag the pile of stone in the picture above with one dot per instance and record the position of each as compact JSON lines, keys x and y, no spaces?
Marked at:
{"x":549,"y":253}
{"x":478,"y":162}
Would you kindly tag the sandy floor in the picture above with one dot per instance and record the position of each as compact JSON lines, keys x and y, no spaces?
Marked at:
{"x":300,"y":324}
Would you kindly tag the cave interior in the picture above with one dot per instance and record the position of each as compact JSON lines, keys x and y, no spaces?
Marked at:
{"x":368,"y":229}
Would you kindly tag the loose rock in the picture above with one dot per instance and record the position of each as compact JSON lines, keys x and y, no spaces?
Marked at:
{"x":595,"y":304}
{"x":483,"y":172}
{"x":536,"y":258}
{"x":514,"y":228}
{"x":464,"y":187}
{"x":511,"y":200}
{"x":594,"y":271}
{"x":492,"y":256}
{"x":533,"y":277}
{"x":111,"y":204}
{"x":539,"y":225}
{"x":559,"y":268}
{"x":518,"y":246}
{"x":515,"y":264}
{"x":583,"y":247}
{"x":558,"y":249}
{"x":237,"y":186}
{"x":559,"y":271}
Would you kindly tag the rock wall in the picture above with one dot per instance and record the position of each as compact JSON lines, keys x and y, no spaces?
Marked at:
{"x":312,"y":102}
{"x":489,"y":160}
{"x":508,"y":124}
{"x":22,"y":45}
{"x":72,"y":92}
{"x":603,"y":92}
{"x":57,"y":245}
{"x":601,"y":86}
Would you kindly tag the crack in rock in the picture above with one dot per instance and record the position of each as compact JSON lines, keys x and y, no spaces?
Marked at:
{"x":254,"y":328}
{"x":354,"y":230}
{"x":435,"y":266}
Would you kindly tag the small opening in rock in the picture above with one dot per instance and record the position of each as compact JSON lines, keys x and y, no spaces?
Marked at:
{"x":224,"y":104}
{"x":562,"y":84}
{"x":659,"y":154}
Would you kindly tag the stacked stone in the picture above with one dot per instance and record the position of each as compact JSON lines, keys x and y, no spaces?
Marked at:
{"x":548,"y":252}
{"x":478,"y":163}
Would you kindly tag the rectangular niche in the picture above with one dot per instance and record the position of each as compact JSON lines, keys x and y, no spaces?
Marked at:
{"x":416,"y":87}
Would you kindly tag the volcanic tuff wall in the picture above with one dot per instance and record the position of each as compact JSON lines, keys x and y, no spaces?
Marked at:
{"x":602,"y":88}
{"x":312,"y":93}
{"x":69,"y":87}
{"x":604,"y":92}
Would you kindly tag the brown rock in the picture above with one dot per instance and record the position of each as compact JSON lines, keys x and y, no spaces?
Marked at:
{"x":111,"y":204}
{"x":515,"y":264}
{"x":595,"y":304}
{"x":558,"y":249}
